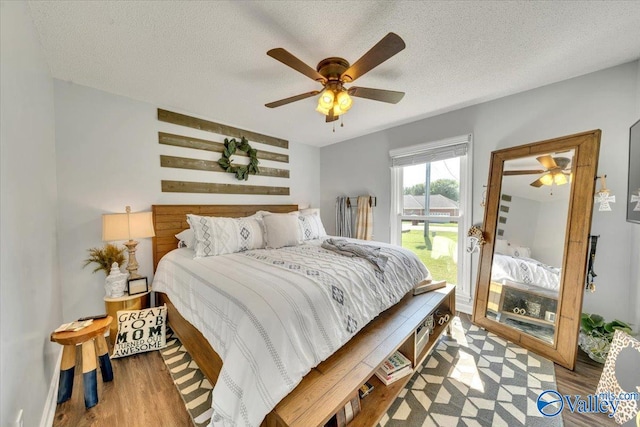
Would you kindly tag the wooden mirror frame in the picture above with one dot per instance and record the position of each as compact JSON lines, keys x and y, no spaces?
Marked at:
{"x":565,"y":344}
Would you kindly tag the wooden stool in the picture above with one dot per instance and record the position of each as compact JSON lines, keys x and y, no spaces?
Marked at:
{"x":92,"y":340}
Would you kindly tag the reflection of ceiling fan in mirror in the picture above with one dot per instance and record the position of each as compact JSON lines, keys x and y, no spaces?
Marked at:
{"x":333,"y":73}
{"x":556,"y":171}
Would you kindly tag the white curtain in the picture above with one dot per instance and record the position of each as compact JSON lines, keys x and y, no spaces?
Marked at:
{"x":364,"y":219}
{"x":343,"y":217}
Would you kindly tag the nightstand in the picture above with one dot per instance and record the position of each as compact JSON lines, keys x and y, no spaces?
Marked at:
{"x":126,"y":302}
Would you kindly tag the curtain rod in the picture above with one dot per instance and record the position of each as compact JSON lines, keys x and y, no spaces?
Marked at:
{"x":373,"y":201}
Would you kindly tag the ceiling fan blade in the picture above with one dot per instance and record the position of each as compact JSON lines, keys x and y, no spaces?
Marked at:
{"x":537,"y":183}
{"x":523,"y":172}
{"x":383,"y":50}
{"x":547,"y":161}
{"x":390,"y":96}
{"x":291,"y":61}
{"x":285,"y":101}
{"x":330,"y":117}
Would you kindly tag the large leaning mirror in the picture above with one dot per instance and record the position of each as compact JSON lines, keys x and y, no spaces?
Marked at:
{"x":537,"y":222}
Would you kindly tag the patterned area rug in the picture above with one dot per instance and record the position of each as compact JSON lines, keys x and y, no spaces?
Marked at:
{"x":474,"y":379}
{"x":457,"y":385}
{"x":191,"y":383}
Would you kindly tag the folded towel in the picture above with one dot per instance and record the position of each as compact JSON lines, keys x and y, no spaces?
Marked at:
{"x":350,"y":249}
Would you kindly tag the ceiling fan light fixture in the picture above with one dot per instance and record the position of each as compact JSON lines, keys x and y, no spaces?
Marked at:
{"x":326,"y":99}
{"x":337,"y":111}
{"x":333,"y":72}
{"x":559,"y":178}
{"x":546,"y":179}
{"x":344,"y":101}
{"x":323,"y":110}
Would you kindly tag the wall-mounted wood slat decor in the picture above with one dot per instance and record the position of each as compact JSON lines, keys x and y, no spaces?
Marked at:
{"x":212,"y":165}
{"x":216,"y":147}
{"x":207,"y":187}
{"x":193,"y":122}
{"x":208,"y":165}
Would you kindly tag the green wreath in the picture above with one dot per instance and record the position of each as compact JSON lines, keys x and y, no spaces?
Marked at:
{"x":242,"y":172}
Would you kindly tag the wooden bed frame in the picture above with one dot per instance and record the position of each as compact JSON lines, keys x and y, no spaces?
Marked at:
{"x":329,"y":386}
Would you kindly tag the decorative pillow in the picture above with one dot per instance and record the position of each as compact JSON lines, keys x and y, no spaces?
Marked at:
{"x":519,"y":251}
{"x":311,"y":227}
{"x":219,"y":236}
{"x":281,"y":230}
{"x":310,"y":211}
{"x":620,"y":375}
{"x":186,"y":239}
{"x":502,"y":247}
{"x":140,"y":331}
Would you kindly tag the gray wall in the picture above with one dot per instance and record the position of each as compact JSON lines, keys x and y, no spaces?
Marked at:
{"x":604,"y":100}
{"x":522,"y":217}
{"x":29,"y":288}
{"x":109,"y":157}
{"x":548,"y":245}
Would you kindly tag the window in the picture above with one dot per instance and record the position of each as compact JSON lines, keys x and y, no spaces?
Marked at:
{"x":430,"y":214}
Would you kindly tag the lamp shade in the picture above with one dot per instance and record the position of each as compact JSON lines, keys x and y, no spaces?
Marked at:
{"x":127,"y":226}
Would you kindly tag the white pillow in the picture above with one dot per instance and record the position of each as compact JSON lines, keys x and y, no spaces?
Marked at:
{"x":219,"y":235}
{"x":281,"y":230}
{"x":501,"y":247}
{"x":311,"y":227}
{"x":310,"y":211}
{"x":259,"y":215}
{"x":186,"y":239}
{"x":519,"y":251}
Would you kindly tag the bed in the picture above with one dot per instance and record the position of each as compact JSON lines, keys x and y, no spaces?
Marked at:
{"x":303,"y":293}
{"x":526,"y":271}
{"x":524,"y":292}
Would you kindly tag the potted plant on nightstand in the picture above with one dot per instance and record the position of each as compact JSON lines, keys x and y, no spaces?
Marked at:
{"x":108,"y":259}
{"x":596,"y":335}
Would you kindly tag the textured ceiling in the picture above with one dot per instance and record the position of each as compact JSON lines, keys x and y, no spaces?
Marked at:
{"x":209,"y":58}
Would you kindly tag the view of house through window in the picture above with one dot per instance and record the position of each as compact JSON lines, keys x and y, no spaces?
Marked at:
{"x":430,"y":215}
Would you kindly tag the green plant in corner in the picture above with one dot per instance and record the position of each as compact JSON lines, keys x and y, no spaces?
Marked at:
{"x":105,"y":257}
{"x":596,"y":335}
{"x":242,"y":172}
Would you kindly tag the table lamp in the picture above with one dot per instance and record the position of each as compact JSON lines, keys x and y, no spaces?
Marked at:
{"x":129,"y":226}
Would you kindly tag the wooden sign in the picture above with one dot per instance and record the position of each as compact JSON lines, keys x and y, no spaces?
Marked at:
{"x":208,"y":187}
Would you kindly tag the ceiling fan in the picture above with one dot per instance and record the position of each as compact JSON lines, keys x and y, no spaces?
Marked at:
{"x":556,"y":170}
{"x":333,"y":73}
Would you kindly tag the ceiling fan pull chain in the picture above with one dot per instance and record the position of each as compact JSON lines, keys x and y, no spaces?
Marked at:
{"x":341,"y":122}
{"x":334,"y":127}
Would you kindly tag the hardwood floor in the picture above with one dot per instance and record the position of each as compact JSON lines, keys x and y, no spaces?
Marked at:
{"x":583,"y":381}
{"x":142,"y":394}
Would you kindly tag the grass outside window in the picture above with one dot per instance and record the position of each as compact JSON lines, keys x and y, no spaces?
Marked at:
{"x":440,"y":258}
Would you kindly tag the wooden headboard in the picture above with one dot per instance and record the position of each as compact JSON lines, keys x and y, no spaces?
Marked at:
{"x":169,"y":220}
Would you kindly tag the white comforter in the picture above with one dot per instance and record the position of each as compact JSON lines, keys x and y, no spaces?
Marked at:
{"x":525,"y":270}
{"x":273,"y":314}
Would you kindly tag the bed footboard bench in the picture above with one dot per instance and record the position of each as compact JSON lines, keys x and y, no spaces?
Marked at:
{"x":330,"y":385}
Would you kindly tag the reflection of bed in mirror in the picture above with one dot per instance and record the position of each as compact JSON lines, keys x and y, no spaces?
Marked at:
{"x":524,"y":294}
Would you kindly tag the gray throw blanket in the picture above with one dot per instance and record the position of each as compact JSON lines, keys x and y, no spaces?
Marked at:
{"x":350,"y":249}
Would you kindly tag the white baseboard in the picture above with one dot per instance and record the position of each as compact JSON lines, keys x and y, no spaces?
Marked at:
{"x":49,"y":412}
{"x":464,"y":306}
